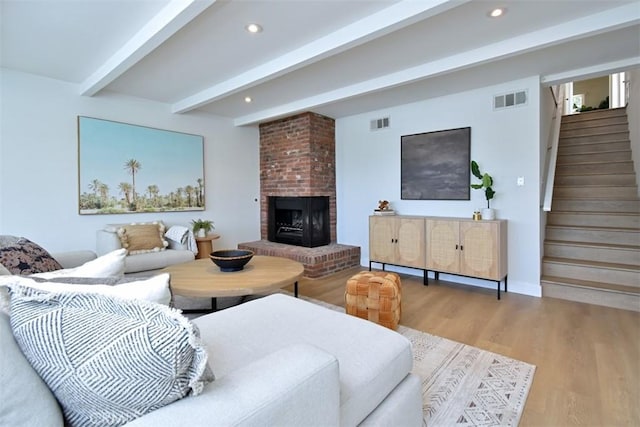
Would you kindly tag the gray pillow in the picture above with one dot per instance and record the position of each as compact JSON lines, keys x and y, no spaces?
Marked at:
{"x":25,"y":399}
{"x":108,"y":360}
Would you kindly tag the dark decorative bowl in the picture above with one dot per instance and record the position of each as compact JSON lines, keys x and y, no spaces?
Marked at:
{"x":231,"y":259}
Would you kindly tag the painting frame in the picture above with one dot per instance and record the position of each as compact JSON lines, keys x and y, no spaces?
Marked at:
{"x":436,"y":165}
{"x":125,"y":168}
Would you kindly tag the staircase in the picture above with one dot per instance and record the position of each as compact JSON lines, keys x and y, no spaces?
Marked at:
{"x":592,"y":242}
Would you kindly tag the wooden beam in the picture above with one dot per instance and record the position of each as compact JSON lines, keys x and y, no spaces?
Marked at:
{"x":166,"y":23}
{"x":401,"y":14}
{"x":587,"y":26}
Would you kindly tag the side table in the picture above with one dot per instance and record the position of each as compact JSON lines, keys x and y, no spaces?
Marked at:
{"x":205,"y":245}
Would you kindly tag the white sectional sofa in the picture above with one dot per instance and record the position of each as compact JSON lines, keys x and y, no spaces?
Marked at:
{"x":142,"y":264}
{"x":277,"y":360}
{"x":282,"y":361}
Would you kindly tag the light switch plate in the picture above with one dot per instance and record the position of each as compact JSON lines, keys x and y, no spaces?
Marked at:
{"x":520,"y":181}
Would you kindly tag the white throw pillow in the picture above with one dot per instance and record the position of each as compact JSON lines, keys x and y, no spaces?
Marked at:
{"x":154,"y":289}
{"x":111,"y":264}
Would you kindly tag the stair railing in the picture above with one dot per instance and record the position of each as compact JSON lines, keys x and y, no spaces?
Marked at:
{"x":552,"y":147}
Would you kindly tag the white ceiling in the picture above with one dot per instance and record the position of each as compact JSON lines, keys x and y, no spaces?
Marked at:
{"x":334,"y":57}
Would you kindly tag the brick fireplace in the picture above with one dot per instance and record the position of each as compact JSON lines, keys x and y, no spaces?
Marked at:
{"x":297,"y":158}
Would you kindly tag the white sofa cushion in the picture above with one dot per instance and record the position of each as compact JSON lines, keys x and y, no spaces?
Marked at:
{"x":126,"y":357}
{"x":158,"y":260}
{"x":297,"y":386}
{"x":255,"y":329}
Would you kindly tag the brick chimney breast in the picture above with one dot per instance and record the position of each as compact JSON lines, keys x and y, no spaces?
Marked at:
{"x":297,"y":158}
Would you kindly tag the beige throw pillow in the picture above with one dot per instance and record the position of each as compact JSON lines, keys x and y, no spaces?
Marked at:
{"x":143,"y":237}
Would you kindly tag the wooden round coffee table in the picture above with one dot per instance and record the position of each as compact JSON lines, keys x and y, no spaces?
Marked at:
{"x":202,"y":278}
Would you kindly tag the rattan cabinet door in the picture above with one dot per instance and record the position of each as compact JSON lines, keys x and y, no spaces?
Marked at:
{"x":479,"y":254}
{"x":382,"y":239}
{"x":442,"y":246}
{"x":410,"y":242}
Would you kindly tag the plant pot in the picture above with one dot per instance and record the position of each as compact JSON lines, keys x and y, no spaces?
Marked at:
{"x":201,"y":233}
{"x":488,"y":213}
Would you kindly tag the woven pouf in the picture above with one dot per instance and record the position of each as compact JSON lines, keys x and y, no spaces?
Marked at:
{"x":375,"y":296}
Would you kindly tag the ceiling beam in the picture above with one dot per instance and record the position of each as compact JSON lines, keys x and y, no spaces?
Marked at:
{"x":591,"y":25}
{"x":590,"y":72}
{"x":166,"y":23}
{"x":399,"y":15}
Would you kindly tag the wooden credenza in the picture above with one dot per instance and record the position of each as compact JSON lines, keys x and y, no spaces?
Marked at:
{"x":443,"y":245}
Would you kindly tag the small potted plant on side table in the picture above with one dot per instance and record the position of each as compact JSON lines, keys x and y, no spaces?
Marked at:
{"x":201,"y":227}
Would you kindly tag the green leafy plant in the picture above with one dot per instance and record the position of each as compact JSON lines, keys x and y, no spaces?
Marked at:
{"x":202,"y":224}
{"x":486,"y":182}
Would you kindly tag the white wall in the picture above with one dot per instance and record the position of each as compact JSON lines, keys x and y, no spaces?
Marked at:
{"x":505,"y":143}
{"x":39,"y":164}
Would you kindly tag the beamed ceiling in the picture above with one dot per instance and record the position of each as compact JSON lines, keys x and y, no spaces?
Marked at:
{"x":334,"y":57}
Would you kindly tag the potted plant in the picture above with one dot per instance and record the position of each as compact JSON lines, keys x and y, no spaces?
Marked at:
{"x":487,"y":184}
{"x":201,"y":227}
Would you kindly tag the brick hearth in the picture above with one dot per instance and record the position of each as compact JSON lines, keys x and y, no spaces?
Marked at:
{"x":297,"y":158}
{"x":318,"y":262}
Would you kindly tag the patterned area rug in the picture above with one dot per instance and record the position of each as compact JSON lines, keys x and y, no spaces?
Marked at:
{"x":466,"y":386}
{"x":463,"y":385}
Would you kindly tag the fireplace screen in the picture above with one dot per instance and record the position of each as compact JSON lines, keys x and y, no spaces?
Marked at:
{"x":301,"y":221}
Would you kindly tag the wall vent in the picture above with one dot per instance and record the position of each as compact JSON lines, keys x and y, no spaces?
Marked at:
{"x":509,"y":100}
{"x":378,"y":124}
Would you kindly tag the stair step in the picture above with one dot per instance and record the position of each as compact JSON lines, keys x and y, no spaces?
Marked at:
{"x":594,"y":147}
{"x":604,"y":272}
{"x":594,"y":157}
{"x":596,"y":179}
{"x":594,"y":205}
{"x":601,"y":137}
{"x":592,"y":245}
{"x":625,"y":166}
{"x":595,"y":114}
{"x":594,"y":219}
{"x":615,"y":236}
{"x":596,"y":121}
{"x":591,"y":129}
{"x":590,"y":292}
{"x":625,"y":192}
{"x":604,"y":252}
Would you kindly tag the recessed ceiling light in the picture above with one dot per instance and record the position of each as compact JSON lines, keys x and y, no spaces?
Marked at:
{"x":247,"y":99}
{"x":497,"y":12}
{"x":253,"y":28}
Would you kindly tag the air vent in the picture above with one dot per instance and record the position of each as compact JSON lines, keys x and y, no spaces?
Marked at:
{"x":511,"y":99}
{"x":381,"y":123}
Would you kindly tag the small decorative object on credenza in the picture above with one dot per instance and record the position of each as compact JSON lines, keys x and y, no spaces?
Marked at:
{"x":201,"y":227}
{"x":477,"y":216}
{"x":384,"y":208}
{"x":486,"y":183}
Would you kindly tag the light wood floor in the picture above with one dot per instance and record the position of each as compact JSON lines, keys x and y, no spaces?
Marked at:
{"x":587,"y":356}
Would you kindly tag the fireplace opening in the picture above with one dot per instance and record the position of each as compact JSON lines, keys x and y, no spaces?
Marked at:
{"x":300,"y":221}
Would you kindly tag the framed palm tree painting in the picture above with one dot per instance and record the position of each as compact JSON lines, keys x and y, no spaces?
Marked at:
{"x":125,"y":168}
